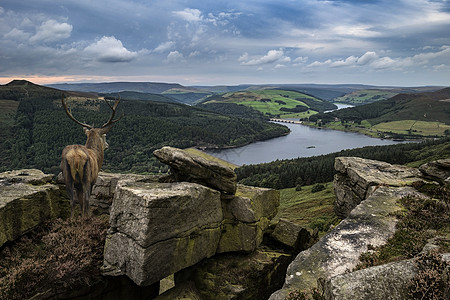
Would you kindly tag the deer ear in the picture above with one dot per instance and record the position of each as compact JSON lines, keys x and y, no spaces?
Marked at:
{"x":105,"y":130}
{"x":86,"y":130}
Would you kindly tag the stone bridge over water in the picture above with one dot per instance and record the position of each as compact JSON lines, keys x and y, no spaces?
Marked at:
{"x":286,"y":121}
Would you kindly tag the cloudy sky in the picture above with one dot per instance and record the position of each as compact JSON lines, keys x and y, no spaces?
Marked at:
{"x":210,"y":42}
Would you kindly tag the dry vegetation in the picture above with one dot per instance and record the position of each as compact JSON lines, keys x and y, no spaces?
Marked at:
{"x":62,"y":255}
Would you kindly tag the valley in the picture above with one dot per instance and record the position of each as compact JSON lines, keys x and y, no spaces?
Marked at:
{"x":35,"y":128}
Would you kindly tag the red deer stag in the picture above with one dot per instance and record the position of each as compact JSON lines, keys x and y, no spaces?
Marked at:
{"x":80,"y":164}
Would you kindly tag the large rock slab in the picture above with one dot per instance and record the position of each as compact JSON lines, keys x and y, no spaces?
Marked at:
{"x":389,"y":281}
{"x":246,"y":217}
{"x":193,"y":168}
{"x":291,"y":235}
{"x":104,"y":189}
{"x":371,"y":223}
{"x":158,"y":229}
{"x":237,"y":276}
{"x":437,"y":170}
{"x":27,"y":199}
{"x":357,"y":178}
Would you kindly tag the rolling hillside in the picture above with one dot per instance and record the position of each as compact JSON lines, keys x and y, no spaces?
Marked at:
{"x":129,"y":95}
{"x":114,"y":87}
{"x":370,"y":95}
{"x":275,"y":102}
{"x":36,"y":129}
{"x":404,"y":115}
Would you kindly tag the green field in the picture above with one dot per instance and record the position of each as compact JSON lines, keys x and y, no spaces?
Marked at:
{"x":413,"y":127}
{"x":271,"y":102}
{"x":312,"y":210}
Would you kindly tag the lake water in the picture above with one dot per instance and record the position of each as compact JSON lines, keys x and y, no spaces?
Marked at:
{"x":303,"y":141}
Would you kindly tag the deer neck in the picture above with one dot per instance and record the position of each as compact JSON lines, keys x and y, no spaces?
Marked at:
{"x":94,"y":143}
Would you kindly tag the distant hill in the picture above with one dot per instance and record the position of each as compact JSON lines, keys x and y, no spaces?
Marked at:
{"x":129,"y":95}
{"x":322,"y":91}
{"x":173,"y":91}
{"x":187,"y":95}
{"x":194,"y":94}
{"x":366,"y":96}
{"x":404,"y":115}
{"x":114,"y":87}
{"x":275,"y":103}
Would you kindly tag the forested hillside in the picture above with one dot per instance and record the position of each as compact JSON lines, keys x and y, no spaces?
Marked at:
{"x":40,"y":129}
{"x":373,"y":94}
{"x":129,"y":95}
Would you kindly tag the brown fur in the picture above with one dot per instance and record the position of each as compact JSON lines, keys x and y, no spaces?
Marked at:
{"x":80,"y":164}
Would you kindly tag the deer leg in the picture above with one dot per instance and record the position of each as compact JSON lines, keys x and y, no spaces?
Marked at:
{"x":86,"y":202}
{"x":69,"y":189}
{"x":80,"y":197}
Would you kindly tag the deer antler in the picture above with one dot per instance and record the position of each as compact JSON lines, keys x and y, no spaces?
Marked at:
{"x":71,"y":116}
{"x":113,"y":108}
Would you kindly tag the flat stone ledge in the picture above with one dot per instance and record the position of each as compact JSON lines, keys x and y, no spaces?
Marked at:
{"x":388,"y":281}
{"x":29,"y":176}
{"x":370,"y":223}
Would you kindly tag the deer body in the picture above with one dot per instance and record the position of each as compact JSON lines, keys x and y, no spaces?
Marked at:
{"x":80,"y":164}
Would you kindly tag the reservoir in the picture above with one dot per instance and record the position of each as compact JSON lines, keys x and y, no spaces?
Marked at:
{"x":303,"y":141}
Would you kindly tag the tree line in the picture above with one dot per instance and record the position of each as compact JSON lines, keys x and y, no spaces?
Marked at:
{"x":319,"y":169}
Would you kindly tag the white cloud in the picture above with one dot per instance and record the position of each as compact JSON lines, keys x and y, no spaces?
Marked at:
{"x":109,"y":49}
{"x":164,"y":47}
{"x":17,"y":34}
{"x":51,"y":31}
{"x":300,"y":60}
{"x":319,"y":64}
{"x":175,"y":56}
{"x":367,"y":58}
{"x":189,"y":14}
{"x":349,"y":61}
{"x":271,"y":57}
{"x":243,"y":57}
{"x":355,"y":30}
{"x":194,"y":53}
{"x":373,"y":60}
{"x":279,"y":66}
{"x":384,"y":63}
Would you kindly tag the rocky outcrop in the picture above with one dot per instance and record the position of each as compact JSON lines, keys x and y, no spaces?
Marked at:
{"x":193,"y":168}
{"x":367,"y":192}
{"x":371,"y":223}
{"x":104,"y":188}
{"x":231,"y":276}
{"x":437,"y":170}
{"x":160,"y":228}
{"x":357,"y":178}
{"x":27,"y":199}
{"x":246,"y":217}
{"x":389,"y":281}
{"x":291,"y":235}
